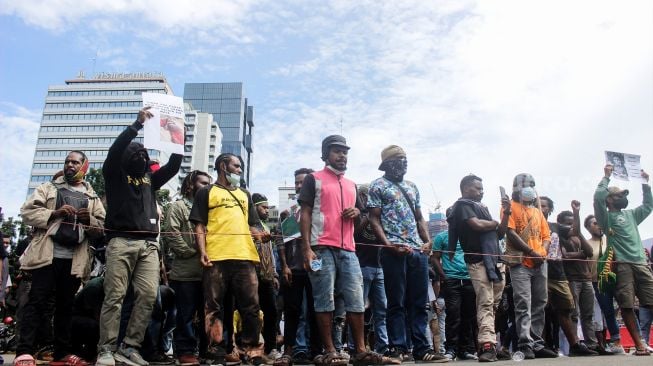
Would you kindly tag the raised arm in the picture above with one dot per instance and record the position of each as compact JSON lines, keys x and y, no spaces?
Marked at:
{"x":114,"y":155}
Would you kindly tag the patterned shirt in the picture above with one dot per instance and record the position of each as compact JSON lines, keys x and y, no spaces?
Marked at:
{"x":397,"y":218}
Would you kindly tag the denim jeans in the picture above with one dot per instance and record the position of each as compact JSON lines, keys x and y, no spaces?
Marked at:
{"x":530,"y":295}
{"x":374,"y":295}
{"x":189,"y":300}
{"x":406,"y":287}
{"x":299,"y":315}
{"x":606,"y":302}
{"x":645,"y":319}
{"x":340,"y":276}
{"x":460,"y":305}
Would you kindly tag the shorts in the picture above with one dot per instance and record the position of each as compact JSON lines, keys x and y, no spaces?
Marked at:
{"x":340,"y":276}
{"x":625,"y":292}
{"x":560,"y":296}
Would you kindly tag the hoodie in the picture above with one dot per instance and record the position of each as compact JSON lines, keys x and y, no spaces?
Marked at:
{"x":131,"y":200}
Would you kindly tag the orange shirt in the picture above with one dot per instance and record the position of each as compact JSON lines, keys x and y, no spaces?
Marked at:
{"x":520,"y":217}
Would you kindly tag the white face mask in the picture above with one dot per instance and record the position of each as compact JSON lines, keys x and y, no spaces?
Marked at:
{"x":528,"y":194}
{"x":233,"y":179}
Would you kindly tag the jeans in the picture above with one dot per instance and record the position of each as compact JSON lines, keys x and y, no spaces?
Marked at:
{"x":303,"y":331}
{"x":460,"y":302}
{"x":240,"y":278}
{"x":298,"y":300}
{"x":341,"y":275}
{"x":189,"y":301}
{"x":374,"y":292}
{"x":406,"y":288}
{"x":583,"y":293}
{"x":530,"y":295}
{"x":645,"y":319}
{"x":129,"y":262}
{"x":268,"y":305}
{"x":606,"y":302}
{"x":442,"y":325}
{"x":53,"y":281}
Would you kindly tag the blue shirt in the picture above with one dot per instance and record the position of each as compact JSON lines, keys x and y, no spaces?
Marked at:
{"x":456,"y":268}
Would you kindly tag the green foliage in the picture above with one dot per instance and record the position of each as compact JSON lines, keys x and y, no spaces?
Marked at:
{"x":95,"y":178}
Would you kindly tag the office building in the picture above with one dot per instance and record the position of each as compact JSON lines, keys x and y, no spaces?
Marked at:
{"x":437,"y":223}
{"x":229,"y":107}
{"x":87,"y":115}
{"x":202,"y":146}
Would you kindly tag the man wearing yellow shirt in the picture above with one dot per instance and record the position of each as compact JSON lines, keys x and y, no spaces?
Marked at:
{"x":224,"y":219}
{"x":528,"y":237}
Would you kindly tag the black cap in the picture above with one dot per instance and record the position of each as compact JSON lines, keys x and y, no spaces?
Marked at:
{"x":333,"y":140}
{"x":258,"y":198}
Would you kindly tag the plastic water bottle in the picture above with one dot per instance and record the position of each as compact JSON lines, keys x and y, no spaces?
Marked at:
{"x":316,"y":264}
{"x":518,"y":356}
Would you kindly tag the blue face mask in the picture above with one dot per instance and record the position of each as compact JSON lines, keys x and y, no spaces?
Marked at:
{"x":528,"y":194}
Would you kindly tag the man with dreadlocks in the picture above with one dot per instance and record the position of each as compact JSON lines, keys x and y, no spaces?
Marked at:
{"x":620,"y":225}
{"x":64,"y":214}
{"x":186,"y":274}
{"x":225,"y":220}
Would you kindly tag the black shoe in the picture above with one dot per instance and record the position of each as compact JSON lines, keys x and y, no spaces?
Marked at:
{"x":580,"y":349}
{"x":503,"y":354}
{"x":301,"y":358}
{"x":528,"y":353}
{"x":488,"y":353}
{"x":545,"y":353}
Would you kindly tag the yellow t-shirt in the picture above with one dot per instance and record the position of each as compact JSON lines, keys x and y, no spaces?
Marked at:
{"x":228,"y":236}
{"x":519,"y":219}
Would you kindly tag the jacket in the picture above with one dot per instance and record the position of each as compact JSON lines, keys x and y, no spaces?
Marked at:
{"x":178,"y":237}
{"x":36,"y":212}
{"x":131,"y":201}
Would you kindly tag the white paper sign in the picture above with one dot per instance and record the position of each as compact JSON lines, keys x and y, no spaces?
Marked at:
{"x":165,"y":131}
{"x":627,"y":167}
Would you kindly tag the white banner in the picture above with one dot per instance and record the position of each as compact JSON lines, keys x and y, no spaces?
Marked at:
{"x":165,"y":131}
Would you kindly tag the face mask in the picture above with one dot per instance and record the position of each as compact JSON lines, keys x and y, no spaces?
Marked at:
{"x":136,"y":167}
{"x":621,"y":203}
{"x":233,"y":179}
{"x":528,"y":194}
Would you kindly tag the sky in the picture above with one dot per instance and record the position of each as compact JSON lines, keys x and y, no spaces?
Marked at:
{"x":493,"y":88}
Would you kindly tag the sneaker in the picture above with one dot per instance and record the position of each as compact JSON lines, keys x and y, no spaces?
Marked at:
{"x":130,"y":356}
{"x":450,"y":354}
{"x":528,"y":353}
{"x":488,"y":353}
{"x":616,"y":348}
{"x":468,"y":356}
{"x":105,"y":358}
{"x":274,"y":354}
{"x":545,"y":353}
{"x":580,"y":349}
{"x":161,"y":359}
{"x":188,"y":360}
{"x":430,"y":357}
{"x":503,"y":354}
{"x":233,"y":358}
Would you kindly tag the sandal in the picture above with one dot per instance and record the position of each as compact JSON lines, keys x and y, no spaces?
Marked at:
{"x":330,"y":359}
{"x":24,"y":360}
{"x":373,"y":358}
{"x":70,"y":360}
{"x":431,"y":357}
{"x":284,"y":360}
{"x":641,"y":352}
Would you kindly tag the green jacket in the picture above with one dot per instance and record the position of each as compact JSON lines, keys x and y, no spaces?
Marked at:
{"x":621,"y":227}
{"x":179,"y":239}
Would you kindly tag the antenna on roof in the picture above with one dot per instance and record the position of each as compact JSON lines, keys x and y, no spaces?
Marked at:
{"x":94,"y":59}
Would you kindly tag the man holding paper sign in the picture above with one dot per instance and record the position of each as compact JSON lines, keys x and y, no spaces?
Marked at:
{"x":620,"y":226}
{"x":133,"y":251}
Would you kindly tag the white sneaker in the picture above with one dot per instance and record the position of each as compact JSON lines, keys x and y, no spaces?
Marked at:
{"x":616,"y":349}
{"x":274,"y":354}
{"x":105,"y":358}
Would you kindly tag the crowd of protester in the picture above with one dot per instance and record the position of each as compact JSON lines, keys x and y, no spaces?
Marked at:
{"x":349,"y":275}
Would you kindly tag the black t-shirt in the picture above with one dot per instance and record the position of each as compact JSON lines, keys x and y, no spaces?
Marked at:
{"x":368,"y":255}
{"x":556,"y":270}
{"x":470,"y":240}
{"x":576,"y":270}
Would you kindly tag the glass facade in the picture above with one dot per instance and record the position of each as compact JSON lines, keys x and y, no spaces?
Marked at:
{"x":227,"y":104}
{"x":88,"y":115}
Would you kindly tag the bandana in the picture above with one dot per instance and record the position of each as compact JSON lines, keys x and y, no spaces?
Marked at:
{"x":79,"y":176}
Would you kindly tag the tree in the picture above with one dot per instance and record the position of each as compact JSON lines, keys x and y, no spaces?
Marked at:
{"x":95,"y":178}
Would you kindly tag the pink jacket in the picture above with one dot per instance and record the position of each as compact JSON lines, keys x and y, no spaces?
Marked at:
{"x":333,"y":194}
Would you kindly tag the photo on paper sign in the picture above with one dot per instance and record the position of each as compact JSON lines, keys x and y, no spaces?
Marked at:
{"x":618,"y":162}
{"x":172,"y":129}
